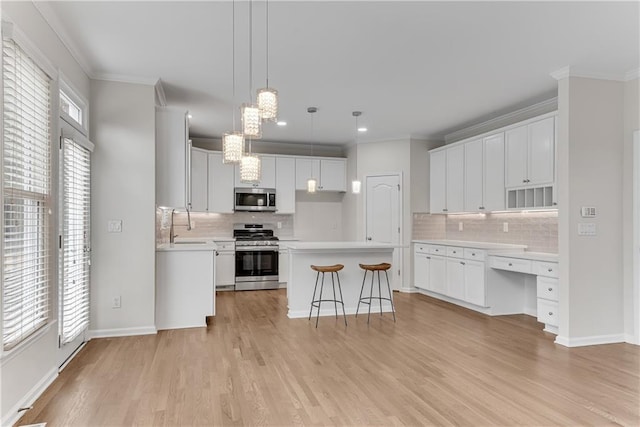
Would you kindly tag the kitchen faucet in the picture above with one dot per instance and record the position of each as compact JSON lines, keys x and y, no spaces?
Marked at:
{"x":172,"y":237}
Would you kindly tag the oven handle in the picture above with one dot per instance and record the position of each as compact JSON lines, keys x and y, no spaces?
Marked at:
{"x":256,"y":248}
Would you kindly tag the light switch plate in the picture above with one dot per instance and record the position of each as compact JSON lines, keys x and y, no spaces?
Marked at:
{"x":588,"y":212}
{"x":586,"y":229}
{"x":114,"y":226}
{"x":460,"y":226}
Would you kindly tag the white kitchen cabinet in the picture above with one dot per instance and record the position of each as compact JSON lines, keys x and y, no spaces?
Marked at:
{"x":474,"y":282}
{"x":285,"y":185}
{"x":268,"y":174}
{"x":530,"y":154}
{"x":438,"y":274}
{"x":225,"y":264}
{"x":199,"y":180}
{"x":493,"y":173}
{"x":455,"y":179}
{"x":474,"y":176}
{"x":172,"y":157}
{"x":220,"y":184}
{"x":185,"y":293}
{"x":330,"y":173}
{"x":455,"y":278}
{"x":420,"y":268}
{"x":438,"y":181}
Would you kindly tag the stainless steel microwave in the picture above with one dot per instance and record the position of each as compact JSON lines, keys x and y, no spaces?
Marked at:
{"x":255,"y":199}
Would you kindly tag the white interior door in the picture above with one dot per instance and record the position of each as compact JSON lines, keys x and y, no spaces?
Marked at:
{"x":75,"y":246}
{"x":383,"y":216}
{"x":636,"y":237}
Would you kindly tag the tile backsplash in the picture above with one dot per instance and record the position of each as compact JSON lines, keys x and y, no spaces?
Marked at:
{"x":537,"y":230}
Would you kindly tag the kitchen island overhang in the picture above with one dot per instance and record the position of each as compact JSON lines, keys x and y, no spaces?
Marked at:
{"x":302,"y":278}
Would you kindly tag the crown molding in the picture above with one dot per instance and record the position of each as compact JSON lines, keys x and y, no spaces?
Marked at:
{"x":121,"y":78}
{"x":570,"y":71}
{"x":54,"y":23}
{"x":160,"y":96}
{"x":632,"y":75}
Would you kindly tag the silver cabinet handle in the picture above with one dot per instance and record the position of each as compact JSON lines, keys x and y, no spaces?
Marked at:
{"x":368,"y":238}
{"x":473,"y":254}
{"x":550,"y":289}
{"x":551,"y":313}
{"x":462,"y":263}
{"x":550,"y":270}
{"x":428,"y":257}
{"x":510,"y":265}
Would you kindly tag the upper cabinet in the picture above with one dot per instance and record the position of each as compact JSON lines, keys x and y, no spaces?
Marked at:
{"x":438,"y":181}
{"x":268,"y":174}
{"x":172,"y":158}
{"x":484,"y":174}
{"x":330,"y":173}
{"x":447,"y":180}
{"x":530,"y":154}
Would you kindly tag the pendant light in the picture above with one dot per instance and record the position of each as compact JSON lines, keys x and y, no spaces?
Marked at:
{"x":312,"y":183}
{"x":233,"y":142}
{"x":356,"y":184}
{"x":250,"y":168}
{"x":251,"y":124}
{"x":267,"y":96}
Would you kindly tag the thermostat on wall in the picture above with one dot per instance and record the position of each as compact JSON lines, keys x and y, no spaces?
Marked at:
{"x":588,"y":212}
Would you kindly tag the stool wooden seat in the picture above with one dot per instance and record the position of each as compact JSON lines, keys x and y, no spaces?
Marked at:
{"x":331,"y":269}
{"x":327,"y":268}
{"x":373,"y":268}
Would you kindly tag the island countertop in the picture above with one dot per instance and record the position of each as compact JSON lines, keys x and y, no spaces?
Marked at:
{"x":467,"y":244}
{"x":336,"y":246}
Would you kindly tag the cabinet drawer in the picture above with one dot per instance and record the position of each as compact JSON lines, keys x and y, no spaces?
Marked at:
{"x":547,"y":269}
{"x":547,"y":288}
{"x":548,"y":312}
{"x":477,"y":254}
{"x":226,"y":246}
{"x":421,"y":248}
{"x":511,"y":264}
{"x":455,"y":252}
{"x":437,"y":250}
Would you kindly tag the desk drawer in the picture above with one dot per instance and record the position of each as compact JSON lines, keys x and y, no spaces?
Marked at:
{"x":437,"y":250}
{"x":422,"y":248}
{"x":548,"y":312}
{"x":547,"y":288}
{"x":477,"y":254}
{"x":511,"y":264}
{"x":547,"y":269}
{"x":455,"y":252}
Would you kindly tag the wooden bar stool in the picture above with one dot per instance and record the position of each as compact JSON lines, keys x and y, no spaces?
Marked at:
{"x":333,"y":269}
{"x":367,"y":300}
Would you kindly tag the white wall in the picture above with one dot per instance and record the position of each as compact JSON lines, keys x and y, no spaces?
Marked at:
{"x":590,"y":158}
{"x":123,"y":188}
{"x":28,"y":369}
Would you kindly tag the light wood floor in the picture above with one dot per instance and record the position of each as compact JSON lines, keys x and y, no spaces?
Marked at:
{"x":439,"y":365}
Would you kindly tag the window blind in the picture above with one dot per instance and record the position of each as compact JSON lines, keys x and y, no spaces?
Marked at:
{"x":26,"y":172}
{"x":76,"y":254}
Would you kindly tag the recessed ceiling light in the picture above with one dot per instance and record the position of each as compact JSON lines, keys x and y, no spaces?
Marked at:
{"x":281,"y":123}
{"x":362,"y":129}
{"x":190,"y":116}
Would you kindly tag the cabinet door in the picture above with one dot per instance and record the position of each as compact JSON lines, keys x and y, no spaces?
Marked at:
{"x":267,"y":174}
{"x":305,"y":169}
{"x":455,"y":179}
{"x":333,"y":175}
{"x":455,"y":278}
{"x":516,"y":157}
{"x":171,"y":158}
{"x":474,"y":286}
{"x":225,"y":269}
{"x":421,"y":271}
{"x":473,"y":176}
{"x":438,"y":274}
{"x":285,"y":185}
{"x":493,"y":173}
{"x":199,"y":180}
{"x":541,"y":151}
{"x":438,"y":182}
{"x":221,"y":182}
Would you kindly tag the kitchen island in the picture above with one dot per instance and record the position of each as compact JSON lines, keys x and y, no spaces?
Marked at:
{"x":350,"y":254}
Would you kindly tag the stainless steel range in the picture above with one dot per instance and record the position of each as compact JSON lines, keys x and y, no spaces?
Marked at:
{"x":256,"y":257}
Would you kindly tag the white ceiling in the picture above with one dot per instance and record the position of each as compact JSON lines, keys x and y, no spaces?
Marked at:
{"x":421,"y":69}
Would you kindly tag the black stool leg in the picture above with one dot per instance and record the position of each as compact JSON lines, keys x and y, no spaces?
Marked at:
{"x":320,"y":300}
{"x":314,"y":295}
{"x":379,"y":293}
{"x":341,"y":300}
{"x":393,"y":310}
{"x":335,"y":299}
{"x":361,"y":289}
{"x":370,"y":297}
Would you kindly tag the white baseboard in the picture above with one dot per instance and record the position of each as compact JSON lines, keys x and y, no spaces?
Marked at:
{"x":13,"y":415}
{"x":122,"y":332}
{"x":591,"y":340}
{"x":406,"y":290}
{"x":631,"y":339}
{"x":531,"y":311}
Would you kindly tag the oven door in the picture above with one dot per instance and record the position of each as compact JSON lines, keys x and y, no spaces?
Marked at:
{"x":256,"y":267}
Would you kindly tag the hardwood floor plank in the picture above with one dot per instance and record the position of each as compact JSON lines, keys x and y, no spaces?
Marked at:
{"x":438,"y":365}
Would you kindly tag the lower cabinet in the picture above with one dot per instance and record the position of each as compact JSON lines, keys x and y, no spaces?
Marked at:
{"x":455,"y":278}
{"x":225,"y":264}
{"x":474,"y":281}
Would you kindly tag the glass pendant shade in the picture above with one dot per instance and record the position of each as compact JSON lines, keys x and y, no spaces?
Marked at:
{"x":250,"y":169}
{"x":268,"y":104}
{"x":312,"y":184}
{"x":355,"y":186}
{"x":251,"y":121}
{"x":232,"y":143}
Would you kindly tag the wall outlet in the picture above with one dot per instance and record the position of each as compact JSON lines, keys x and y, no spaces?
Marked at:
{"x":505,"y":227}
{"x":116,"y":302}
{"x":587,"y":229}
{"x":114,"y":226}
{"x":193,"y":224}
{"x":279,"y":225}
{"x":460,"y":226}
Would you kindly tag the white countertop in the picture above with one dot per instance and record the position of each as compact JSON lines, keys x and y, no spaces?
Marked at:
{"x":337,"y":245}
{"x":476,"y":245}
{"x":186,"y":246}
{"x":534,"y":256}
